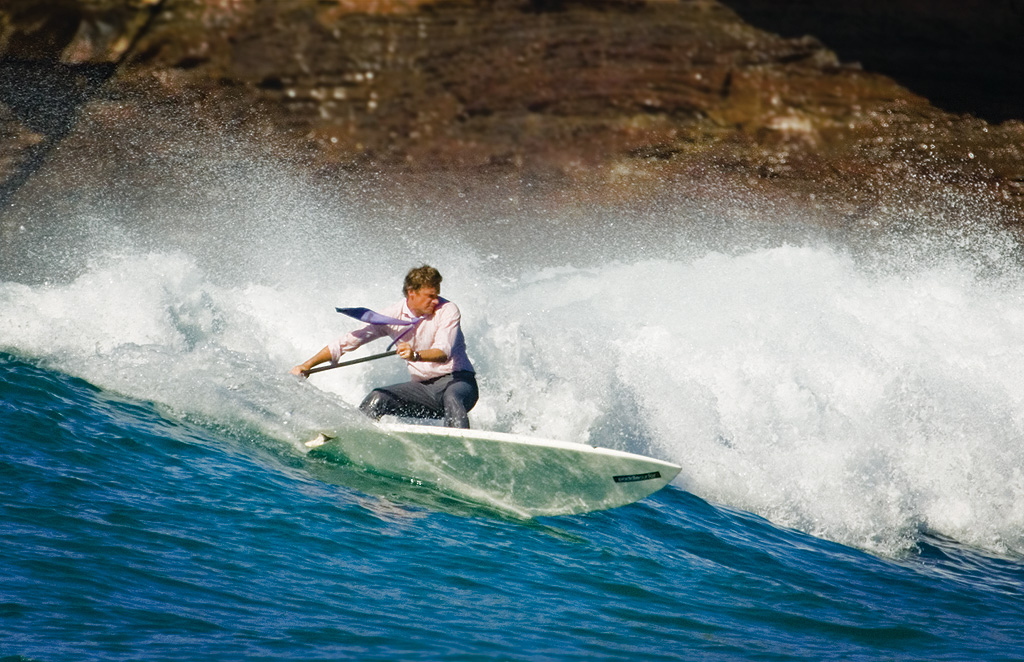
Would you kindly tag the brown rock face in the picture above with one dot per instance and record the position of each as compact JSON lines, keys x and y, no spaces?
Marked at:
{"x":559,"y":102}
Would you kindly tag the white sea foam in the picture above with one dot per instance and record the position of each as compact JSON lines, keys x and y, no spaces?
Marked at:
{"x":859,"y":395}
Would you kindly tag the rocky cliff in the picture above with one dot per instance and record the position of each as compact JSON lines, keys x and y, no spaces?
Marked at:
{"x":545,"y":100}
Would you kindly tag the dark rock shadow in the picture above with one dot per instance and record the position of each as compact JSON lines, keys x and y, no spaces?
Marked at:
{"x":963,"y":57}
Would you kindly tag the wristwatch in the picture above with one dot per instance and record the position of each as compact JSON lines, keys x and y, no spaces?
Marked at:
{"x":415,"y":356}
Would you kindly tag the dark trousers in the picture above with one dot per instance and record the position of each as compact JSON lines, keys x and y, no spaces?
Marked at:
{"x":449,"y":397}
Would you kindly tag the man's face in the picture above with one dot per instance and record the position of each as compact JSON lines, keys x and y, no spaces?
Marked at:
{"x":423,"y":301}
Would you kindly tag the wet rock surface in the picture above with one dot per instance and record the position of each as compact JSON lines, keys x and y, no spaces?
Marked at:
{"x":540,"y":103}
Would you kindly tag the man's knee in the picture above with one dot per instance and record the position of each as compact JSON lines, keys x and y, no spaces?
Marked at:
{"x":381,"y":402}
{"x":461,"y":394}
{"x":377,"y":403}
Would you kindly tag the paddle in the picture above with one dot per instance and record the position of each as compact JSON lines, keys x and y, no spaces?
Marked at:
{"x":364,"y":359}
{"x":370,"y":317}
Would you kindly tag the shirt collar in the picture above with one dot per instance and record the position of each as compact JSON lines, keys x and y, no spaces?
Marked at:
{"x":407,"y":313}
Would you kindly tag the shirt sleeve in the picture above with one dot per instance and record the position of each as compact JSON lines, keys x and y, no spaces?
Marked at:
{"x":449,"y":319}
{"x":361,"y":336}
{"x":355,"y":340}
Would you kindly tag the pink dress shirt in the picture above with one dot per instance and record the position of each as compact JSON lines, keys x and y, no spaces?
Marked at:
{"x":441,"y":330}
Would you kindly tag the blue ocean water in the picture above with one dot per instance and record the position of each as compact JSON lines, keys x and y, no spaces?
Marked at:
{"x":130,"y":536}
{"x":846,"y":406}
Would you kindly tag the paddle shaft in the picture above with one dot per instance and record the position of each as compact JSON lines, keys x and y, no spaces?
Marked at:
{"x":364,"y":359}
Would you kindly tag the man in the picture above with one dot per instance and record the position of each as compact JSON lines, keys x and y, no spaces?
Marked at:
{"x":443,"y":380}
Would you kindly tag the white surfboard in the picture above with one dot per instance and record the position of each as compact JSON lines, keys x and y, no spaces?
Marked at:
{"x":520,"y":475}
